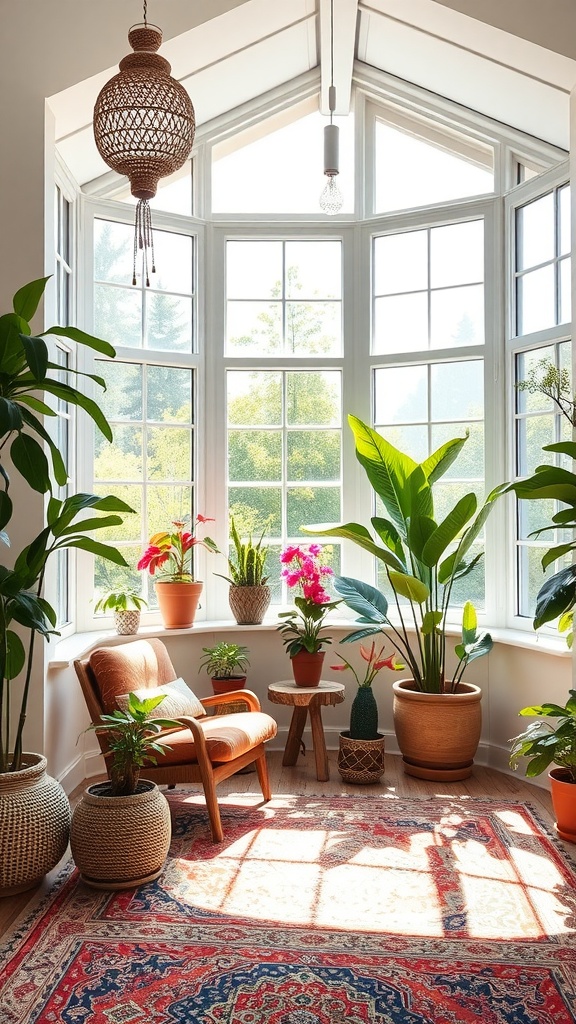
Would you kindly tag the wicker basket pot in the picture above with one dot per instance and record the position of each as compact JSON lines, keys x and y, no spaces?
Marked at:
{"x":249,"y":604}
{"x":34,"y":825}
{"x":120,"y":841}
{"x":438,"y":733}
{"x":127,"y":621}
{"x":360,"y":761}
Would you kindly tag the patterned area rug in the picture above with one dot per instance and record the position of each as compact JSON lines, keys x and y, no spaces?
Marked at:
{"x":314,"y":911}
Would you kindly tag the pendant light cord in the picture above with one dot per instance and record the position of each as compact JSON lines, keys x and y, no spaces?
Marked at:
{"x":331,"y":97}
{"x":145,"y":11}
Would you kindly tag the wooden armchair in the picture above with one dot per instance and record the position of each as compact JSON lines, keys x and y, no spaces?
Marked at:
{"x":209,"y":748}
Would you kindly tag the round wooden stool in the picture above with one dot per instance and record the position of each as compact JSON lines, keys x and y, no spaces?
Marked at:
{"x":306,"y":700}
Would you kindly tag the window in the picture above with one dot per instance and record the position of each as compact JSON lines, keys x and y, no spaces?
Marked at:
{"x":63,"y":280}
{"x":267,"y":323}
{"x":541,"y":313}
{"x":150,"y":395}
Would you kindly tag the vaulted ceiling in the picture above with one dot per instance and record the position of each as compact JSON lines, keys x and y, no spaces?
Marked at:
{"x":229,"y":52}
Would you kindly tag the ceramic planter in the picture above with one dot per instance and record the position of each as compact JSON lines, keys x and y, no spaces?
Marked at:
{"x":360,"y":761}
{"x":563,"y":793}
{"x":249,"y":604}
{"x":119,"y":842}
{"x":178,"y":603}
{"x":438,"y":733}
{"x":307,"y":668}
{"x":34,"y":825}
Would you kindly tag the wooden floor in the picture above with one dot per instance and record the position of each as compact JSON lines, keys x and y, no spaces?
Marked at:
{"x":301,"y":780}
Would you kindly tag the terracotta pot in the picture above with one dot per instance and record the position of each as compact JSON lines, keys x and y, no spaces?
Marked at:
{"x":563,"y":793}
{"x":438,"y":733}
{"x":119,"y":842}
{"x":307,"y":668}
{"x":34,"y":825}
{"x":229,"y":684}
{"x":249,"y":604}
{"x":178,"y":603}
{"x":360,"y":761}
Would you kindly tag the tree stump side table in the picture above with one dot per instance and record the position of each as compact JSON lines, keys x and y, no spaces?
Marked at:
{"x":304,"y":700}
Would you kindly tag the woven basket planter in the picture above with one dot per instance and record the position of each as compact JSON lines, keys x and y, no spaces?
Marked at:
{"x":127,"y":621}
{"x":438,"y":733}
{"x":249,"y":604}
{"x":34,"y":825}
{"x":360,"y":761}
{"x":119,"y":842}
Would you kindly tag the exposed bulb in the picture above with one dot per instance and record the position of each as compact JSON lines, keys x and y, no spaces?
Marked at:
{"x":331,"y":198}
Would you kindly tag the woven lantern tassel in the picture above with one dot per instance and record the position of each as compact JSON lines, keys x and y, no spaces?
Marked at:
{"x":144,"y":126}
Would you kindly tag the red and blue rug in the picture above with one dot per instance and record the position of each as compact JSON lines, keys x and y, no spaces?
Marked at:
{"x":314,"y":911}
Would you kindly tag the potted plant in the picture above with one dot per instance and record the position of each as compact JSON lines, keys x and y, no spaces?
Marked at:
{"x":121,"y":830}
{"x":302,"y":632}
{"x":225,"y":664}
{"x":422,"y":559}
{"x":249,"y":596}
{"x":361,"y":747}
{"x":126,"y":606}
{"x":170,"y":553}
{"x":545,"y":744}
{"x":34,"y":810}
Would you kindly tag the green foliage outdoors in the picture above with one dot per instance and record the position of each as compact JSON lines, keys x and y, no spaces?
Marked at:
{"x":422,"y":558}
{"x":545,"y":744}
{"x":132,"y":741}
{"x":221,"y":660}
{"x":248,"y":564}
{"x":28,"y":379}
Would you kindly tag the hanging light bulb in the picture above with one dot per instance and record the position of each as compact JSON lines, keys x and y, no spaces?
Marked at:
{"x":331,"y":198}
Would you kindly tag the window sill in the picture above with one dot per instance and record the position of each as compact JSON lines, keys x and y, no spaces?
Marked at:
{"x":78,"y":645}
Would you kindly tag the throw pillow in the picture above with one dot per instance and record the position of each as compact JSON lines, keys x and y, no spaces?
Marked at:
{"x":179,"y":700}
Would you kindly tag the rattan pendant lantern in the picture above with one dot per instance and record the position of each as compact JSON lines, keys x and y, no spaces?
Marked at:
{"x":144,"y":127}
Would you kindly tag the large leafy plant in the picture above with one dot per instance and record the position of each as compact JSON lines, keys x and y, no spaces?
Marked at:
{"x":422,"y":559}
{"x":27,"y":381}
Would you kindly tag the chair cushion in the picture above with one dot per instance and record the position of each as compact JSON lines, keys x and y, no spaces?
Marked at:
{"x":138,"y":665}
{"x":178,"y":700}
{"x":227,"y":737}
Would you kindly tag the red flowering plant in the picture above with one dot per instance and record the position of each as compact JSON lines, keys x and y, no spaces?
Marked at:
{"x":364,"y":711}
{"x":170,"y":553}
{"x":305,"y":571}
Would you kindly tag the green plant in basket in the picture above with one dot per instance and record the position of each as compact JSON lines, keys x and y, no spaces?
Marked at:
{"x":247,"y":566}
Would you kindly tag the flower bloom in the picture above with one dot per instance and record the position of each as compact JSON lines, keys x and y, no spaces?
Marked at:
{"x":170,"y":551}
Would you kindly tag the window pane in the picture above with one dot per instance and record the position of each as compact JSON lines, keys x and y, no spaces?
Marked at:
{"x":113,"y":249}
{"x":168,"y":394}
{"x":413,"y":172}
{"x":254,"y":398}
{"x":470,"y":462}
{"x":308,"y":505}
{"x":401,"y":323}
{"x":313,"y":270}
{"x":457,"y":254}
{"x":173,"y":255}
{"x":254,"y":270}
{"x":314,"y":398}
{"x":458,"y":390}
{"x":254,"y":455}
{"x":564,"y":220}
{"x":169,"y":453}
{"x":121,"y":459}
{"x":123,"y":396}
{"x":401,"y":395}
{"x":400,"y":262}
{"x":169,"y":323}
{"x":261,"y":504}
{"x":254,"y":328}
{"x":536,"y":300}
{"x":313,"y":328}
{"x":535,"y":232}
{"x":457,"y":317}
{"x":314,"y":455}
{"x":118,"y":315}
{"x":565,"y":292}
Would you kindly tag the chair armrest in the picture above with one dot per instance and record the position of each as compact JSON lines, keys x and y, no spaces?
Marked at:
{"x":247,"y":696}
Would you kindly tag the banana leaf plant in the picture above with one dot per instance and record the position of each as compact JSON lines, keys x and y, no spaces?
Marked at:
{"x":28,"y":379}
{"x":422,"y":559}
{"x":557,"y":595}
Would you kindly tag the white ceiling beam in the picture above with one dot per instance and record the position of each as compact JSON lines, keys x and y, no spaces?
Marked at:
{"x":344,"y":26}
